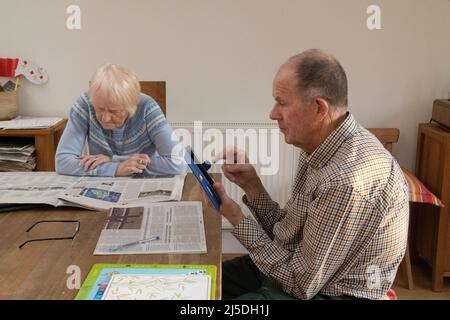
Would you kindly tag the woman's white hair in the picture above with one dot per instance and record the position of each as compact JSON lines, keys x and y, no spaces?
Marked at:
{"x":117,"y":86}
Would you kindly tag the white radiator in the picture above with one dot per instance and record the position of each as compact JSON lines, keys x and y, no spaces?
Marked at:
{"x":274,"y":160}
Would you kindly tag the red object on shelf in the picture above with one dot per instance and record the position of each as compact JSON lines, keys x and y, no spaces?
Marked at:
{"x":8,"y":67}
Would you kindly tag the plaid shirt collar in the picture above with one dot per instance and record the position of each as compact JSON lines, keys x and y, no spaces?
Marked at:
{"x":332,"y":143}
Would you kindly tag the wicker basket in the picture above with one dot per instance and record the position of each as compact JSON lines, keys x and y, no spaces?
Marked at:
{"x":8,"y":105}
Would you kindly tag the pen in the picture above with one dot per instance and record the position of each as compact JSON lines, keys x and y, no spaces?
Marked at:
{"x":153,"y":238}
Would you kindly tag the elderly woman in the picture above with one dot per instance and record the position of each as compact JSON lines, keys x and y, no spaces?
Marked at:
{"x":125,"y":130}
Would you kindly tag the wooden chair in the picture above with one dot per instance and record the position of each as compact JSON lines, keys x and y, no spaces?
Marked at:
{"x":157,"y":90}
{"x":387,"y":137}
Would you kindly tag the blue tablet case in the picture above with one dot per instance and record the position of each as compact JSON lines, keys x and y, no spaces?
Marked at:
{"x":200,"y":172}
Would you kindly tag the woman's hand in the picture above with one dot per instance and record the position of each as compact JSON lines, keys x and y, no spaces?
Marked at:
{"x":135,"y":164}
{"x":90,"y":162}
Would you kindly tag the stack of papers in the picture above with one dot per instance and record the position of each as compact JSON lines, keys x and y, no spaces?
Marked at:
{"x":17,"y":156}
{"x":29,"y":123}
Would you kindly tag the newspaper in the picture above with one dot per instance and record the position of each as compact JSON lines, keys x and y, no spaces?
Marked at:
{"x":169,"y":227}
{"x":14,"y":157}
{"x":105,"y":193}
{"x":17,"y":148}
{"x":88,"y":192}
{"x":33,"y":187}
{"x":11,"y":166}
{"x":29,"y":122}
{"x":17,"y":155}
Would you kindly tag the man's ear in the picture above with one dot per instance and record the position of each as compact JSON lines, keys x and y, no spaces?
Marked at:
{"x":322,"y":108}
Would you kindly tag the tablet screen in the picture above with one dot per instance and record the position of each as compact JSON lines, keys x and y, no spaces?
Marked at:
{"x":202,"y":177}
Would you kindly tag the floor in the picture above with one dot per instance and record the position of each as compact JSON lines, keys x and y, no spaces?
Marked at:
{"x":422,"y":285}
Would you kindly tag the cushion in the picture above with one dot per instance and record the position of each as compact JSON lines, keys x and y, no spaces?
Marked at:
{"x":418,"y":192}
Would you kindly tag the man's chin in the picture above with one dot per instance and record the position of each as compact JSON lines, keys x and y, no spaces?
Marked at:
{"x":286,"y":138}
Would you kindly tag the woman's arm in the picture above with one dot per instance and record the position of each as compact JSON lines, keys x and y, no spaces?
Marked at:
{"x":72,"y":142}
{"x":170,"y":154}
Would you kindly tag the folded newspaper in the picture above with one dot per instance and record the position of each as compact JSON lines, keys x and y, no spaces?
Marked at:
{"x":22,"y":122}
{"x":17,"y":154}
{"x":91,"y":193}
{"x":170,"y":227}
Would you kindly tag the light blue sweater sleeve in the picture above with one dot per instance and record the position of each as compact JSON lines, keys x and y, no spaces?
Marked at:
{"x":170,"y":154}
{"x":71,"y":146}
{"x":169,"y":158}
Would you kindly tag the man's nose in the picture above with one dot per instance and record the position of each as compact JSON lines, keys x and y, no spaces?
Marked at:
{"x":275,"y":113}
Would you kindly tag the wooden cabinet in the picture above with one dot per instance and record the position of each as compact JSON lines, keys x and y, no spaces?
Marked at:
{"x":430,"y":224}
{"x":45,"y":140}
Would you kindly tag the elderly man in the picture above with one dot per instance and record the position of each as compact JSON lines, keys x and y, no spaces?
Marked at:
{"x":343,"y":232}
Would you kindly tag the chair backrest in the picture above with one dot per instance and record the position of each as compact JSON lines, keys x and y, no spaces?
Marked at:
{"x":387,"y":136}
{"x":157,"y":90}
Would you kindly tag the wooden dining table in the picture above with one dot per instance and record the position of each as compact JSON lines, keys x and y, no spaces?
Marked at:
{"x":45,"y":270}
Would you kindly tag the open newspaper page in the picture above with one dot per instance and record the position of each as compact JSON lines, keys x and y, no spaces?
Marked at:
{"x":105,"y":193}
{"x":169,"y":227}
{"x":33,"y":187}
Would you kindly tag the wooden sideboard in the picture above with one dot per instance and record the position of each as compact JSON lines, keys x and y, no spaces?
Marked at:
{"x":430,"y":224}
{"x":45,"y":140}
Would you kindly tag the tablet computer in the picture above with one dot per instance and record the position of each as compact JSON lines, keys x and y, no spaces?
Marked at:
{"x":202,"y":176}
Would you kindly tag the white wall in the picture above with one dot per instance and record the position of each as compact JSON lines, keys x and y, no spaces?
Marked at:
{"x":219,"y":56}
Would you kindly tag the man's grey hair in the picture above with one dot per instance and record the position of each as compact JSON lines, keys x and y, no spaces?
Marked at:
{"x":320,"y":74}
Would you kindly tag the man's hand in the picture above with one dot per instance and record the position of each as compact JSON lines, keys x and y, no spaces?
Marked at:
{"x":238,"y":170}
{"x":92,"y":161}
{"x":135,"y":164}
{"x":228,"y":208}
